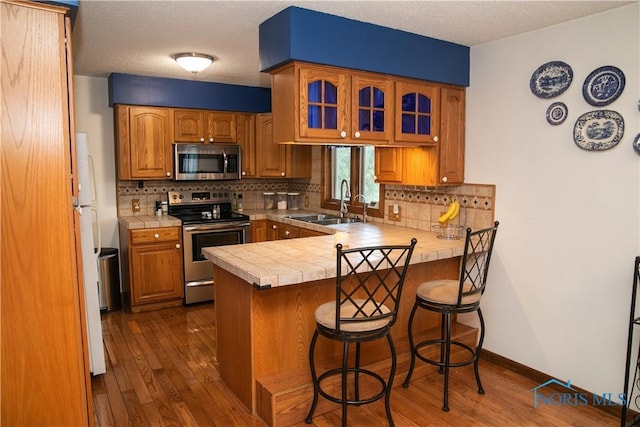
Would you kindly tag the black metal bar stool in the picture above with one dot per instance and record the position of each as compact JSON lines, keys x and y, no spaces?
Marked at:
{"x":368,"y":288}
{"x":451,"y":297}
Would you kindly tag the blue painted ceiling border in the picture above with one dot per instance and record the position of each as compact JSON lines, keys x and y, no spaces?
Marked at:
{"x":297,"y":34}
{"x":165,"y":92}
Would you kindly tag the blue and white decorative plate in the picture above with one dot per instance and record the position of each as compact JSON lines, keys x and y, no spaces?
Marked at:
{"x":636,"y":143}
{"x":557,"y":113}
{"x":551,"y":79}
{"x":598,"y":130}
{"x":603,"y":86}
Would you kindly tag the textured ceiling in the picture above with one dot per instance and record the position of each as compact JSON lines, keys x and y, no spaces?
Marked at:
{"x":140,"y":37}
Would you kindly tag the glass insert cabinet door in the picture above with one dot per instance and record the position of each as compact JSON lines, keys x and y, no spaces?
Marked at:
{"x":371,"y":104}
{"x":417,"y":113}
{"x":323,"y":104}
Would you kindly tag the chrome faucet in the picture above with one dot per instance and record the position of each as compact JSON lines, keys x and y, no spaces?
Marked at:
{"x":343,"y":194}
{"x":364,"y":205}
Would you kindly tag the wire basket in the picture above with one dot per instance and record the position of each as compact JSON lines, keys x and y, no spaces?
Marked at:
{"x":449,"y":231}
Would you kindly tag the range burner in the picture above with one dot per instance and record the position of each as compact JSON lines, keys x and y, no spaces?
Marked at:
{"x":200,"y":207}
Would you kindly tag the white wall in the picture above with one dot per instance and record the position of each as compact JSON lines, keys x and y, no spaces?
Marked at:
{"x":560,"y":283}
{"x":95,"y":117}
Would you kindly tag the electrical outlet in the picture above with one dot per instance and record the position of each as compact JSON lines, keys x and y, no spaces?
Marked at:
{"x":306,"y":201}
{"x":394,"y":213}
{"x":135,"y":205}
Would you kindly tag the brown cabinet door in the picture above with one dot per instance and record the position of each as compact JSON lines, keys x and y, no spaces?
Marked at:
{"x":270,"y":157}
{"x":452,"y":138}
{"x":221,"y":127}
{"x":156,"y":272}
{"x":388,"y":164}
{"x":324,"y":104}
{"x":204,"y":126}
{"x":149,"y":143}
{"x":417,"y":112}
{"x":188,"y":125}
{"x":44,"y":372}
{"x":371,"y":108}
{"x":272,"y":230}
{"x":259,"y":230}
{"x":246,"y":135}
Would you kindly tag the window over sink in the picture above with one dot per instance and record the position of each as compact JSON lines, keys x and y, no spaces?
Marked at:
{"x":355,"y":164}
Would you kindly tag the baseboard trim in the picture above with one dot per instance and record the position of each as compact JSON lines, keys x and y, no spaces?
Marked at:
{"x":541,"y":377}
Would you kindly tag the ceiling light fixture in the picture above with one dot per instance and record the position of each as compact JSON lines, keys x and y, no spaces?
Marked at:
{"x":194,"y":62}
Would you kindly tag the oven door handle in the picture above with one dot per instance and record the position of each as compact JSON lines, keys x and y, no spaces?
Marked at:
{"x":217,"y":227}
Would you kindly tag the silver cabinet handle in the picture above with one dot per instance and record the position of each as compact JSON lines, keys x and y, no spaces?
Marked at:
{"x":177,"y":245}
{"x":156,"y":236}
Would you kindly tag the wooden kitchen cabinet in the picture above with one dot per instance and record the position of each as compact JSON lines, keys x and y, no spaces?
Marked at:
{"x":440,"y":164}
{"x":275,"y":230}
{"x":275,"y":160}
{"x":452,"y":131}
{"x":154,"y":278}
{"x":417,"y":112}
{"x":317,"y":103}
{"x":44,"y":376}
{"x":259,"y":230}
{"x":204,"y":126}
{"x":246,"y":135}
{"x":143,"y":142}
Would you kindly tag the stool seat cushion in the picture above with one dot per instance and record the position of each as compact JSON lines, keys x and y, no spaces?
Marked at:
{"x":326,"y":316}
{"x":446,"y":292}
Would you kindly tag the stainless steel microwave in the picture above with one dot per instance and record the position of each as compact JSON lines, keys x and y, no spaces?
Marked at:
{"x":206,"y":162}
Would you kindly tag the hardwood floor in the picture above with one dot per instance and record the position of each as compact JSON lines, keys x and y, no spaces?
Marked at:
{"x":161,"y":371}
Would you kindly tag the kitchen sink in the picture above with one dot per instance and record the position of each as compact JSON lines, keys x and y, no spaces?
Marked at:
{"x":313,"y":218}
{"x":334,"y":221}
{"x":323,"y":219}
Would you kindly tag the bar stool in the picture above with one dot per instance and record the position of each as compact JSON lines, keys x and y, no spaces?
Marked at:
{"x":368,"y":288}
{"x":450,"y":297}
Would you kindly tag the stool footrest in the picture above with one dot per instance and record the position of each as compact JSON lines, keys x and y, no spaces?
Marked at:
{"x":360,"y":371}
{"x":469,"y":350}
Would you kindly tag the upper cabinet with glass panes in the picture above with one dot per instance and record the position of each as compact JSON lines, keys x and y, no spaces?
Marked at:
{"x":417,"y":112}
{"x":323,"y":104}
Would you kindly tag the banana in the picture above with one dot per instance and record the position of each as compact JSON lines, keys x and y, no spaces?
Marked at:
{"x":455,"y":211}
{"x":445,"y":216}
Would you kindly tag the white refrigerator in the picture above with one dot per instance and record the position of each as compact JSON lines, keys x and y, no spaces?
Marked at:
{"x":90,"y":244}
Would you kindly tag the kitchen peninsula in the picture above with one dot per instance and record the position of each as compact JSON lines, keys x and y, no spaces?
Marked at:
{"x":265,"y":297}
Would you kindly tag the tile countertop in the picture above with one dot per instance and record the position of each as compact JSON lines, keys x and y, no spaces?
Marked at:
{"x":149,"y":221}
{"x":289,"y":262}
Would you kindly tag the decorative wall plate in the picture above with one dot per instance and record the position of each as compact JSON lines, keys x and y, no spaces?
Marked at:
{"x":603,"y":86}
{"x":557,"y":113}
{"x":551,"y":79}
{"x":598,"y":130}
{"x":636,"y":143}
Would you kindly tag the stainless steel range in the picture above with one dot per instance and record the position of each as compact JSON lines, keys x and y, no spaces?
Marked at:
{"x":207,"y":220}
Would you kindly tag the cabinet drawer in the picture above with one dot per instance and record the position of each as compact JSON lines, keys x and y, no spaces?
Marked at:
{"x":155,"y":235}
{"x":288,"y":232}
